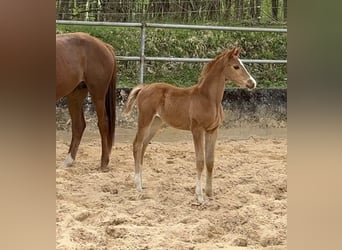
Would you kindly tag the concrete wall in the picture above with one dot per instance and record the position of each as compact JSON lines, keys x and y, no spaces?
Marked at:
{"x":263,"y":108}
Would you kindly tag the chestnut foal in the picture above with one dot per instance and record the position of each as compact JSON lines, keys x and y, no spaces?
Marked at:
{"x":197,"y":108}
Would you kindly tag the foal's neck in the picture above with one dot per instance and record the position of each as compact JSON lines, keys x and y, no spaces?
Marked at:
{"x":212,"y":85}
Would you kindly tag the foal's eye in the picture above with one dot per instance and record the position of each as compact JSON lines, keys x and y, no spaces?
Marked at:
{"x":236,"y":67}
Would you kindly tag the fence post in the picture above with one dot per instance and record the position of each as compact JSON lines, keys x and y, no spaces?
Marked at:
{"x":142,"y":52}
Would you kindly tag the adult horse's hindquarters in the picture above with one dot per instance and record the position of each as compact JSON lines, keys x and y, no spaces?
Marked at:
{"x":86,"y":64}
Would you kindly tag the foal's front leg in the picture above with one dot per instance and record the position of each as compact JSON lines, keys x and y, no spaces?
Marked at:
{"x":210,"y":140}
{"x":198,"y":136}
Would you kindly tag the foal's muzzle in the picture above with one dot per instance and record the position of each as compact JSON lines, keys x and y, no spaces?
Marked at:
{"x":251,"y":83}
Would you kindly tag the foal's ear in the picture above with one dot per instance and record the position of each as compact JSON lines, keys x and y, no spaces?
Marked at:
{"x":236,"y":51}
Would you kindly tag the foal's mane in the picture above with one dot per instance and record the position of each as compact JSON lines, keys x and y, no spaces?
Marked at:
{"x":212,"y":63}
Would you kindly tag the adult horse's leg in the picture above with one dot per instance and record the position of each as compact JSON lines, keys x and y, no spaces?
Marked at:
{"x":198,"y":136}
{"x":75,"y":106}
{"x":210,"y":140}
{"x":102,"y":92}
{"x":102,"y":123}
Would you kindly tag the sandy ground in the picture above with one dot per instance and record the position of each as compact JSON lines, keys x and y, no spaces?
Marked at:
{"x":96,"y":210}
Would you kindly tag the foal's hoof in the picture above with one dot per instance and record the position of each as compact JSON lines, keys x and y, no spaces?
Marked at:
{"x":137,"y":181}
{"x":200,"y":199}
{"x":209,"y":193}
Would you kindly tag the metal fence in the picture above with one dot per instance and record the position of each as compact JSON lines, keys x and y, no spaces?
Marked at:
{"x":143,"y":26}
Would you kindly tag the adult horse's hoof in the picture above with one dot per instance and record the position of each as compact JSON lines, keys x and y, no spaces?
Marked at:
{"x":68,"y":161}
{"x":104,"y":169}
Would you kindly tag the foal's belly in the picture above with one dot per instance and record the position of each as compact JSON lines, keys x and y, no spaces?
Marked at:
{"x":176,"y":121}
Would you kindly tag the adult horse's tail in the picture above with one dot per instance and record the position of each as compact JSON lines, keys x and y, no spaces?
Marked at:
{"x":132,"y":97}
{"x":111,"y":102}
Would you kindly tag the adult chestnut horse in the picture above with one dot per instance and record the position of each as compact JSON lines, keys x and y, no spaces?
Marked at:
{"x":197,"y":108}
{"x":86,"y":64}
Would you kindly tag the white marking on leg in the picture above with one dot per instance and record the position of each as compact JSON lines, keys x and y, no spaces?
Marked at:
{"x":250,"y":77}
{"x":68,"y":161}
{"x":137,"y":181}
{"x":199,"y":191}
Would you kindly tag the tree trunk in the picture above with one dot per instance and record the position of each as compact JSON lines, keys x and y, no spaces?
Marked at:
{"x":86,"y":18}
{"x":258,"y":9}
{"x":242,"y":9}
{"x":237,"y":8}
{"x":228,"y":9}
{"x":275,"y":4}
{"x":285,"y":9}
{"x":58,"y":10}
{"x":252,"y":8}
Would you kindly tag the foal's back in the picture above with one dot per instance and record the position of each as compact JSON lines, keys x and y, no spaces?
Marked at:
{"x":170,"y":103}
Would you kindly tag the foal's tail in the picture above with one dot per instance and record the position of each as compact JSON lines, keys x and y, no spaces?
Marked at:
{"x":111,"y":102}
{"x":132,"y":98}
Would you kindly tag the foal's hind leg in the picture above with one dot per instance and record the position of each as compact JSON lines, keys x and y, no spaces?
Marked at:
{"x":210,"y":140}
{"x":144,"y":134}
{"x":151,"y":132}
{"x":75,"y":106}
{"x":137,"y":155}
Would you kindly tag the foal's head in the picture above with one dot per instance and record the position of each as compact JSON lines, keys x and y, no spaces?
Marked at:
{"x":235,"y":70}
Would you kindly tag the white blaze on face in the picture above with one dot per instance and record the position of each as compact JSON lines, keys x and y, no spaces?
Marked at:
{"x":250,"y":77}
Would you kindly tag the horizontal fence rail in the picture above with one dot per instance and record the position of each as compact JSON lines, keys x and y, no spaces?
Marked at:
{"x":171,"y":26}
{"x":142,"y":58}
{"x":205,"y":27}
{"x":182,"y":59}
{"x":92,"y":23}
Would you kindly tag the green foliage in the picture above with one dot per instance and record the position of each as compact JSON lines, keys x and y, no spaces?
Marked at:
{"x":174,"y":11}
{"x":189,"y":43}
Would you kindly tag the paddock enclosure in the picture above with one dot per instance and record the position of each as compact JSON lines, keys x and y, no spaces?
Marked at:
{"x":96,"y":210}
{"x":103,"y":210}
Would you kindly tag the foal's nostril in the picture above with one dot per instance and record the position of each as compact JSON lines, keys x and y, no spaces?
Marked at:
{"x":251,"y":84}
